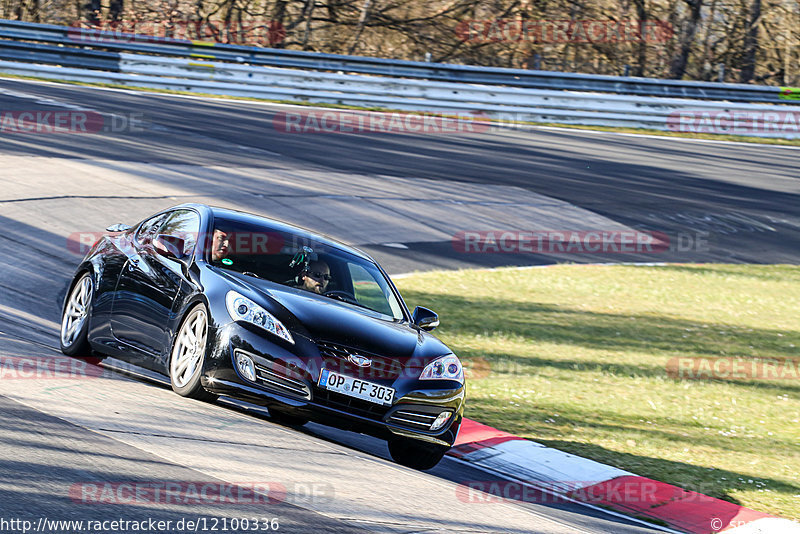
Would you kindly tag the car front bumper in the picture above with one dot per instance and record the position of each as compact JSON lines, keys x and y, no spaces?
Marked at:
{"x":288,"y":375}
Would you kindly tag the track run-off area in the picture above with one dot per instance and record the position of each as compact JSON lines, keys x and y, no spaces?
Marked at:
{"x":402,"y":197}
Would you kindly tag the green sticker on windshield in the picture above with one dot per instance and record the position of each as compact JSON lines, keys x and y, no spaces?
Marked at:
{"x":227,"y":261}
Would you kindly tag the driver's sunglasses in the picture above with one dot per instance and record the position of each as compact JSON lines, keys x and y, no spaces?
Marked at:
{"x":320,"y":276}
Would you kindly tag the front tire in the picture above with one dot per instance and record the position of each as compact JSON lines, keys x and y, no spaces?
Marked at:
{"x":75,"y":318}
{"x":188,"y":354}
{"x":416,"y":454}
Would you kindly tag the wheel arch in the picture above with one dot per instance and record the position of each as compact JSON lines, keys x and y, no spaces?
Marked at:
{"x":180,"y":316}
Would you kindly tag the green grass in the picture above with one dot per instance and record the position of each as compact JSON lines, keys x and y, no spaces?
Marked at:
{"x":575,"y":357}
{"x":510,"y":124}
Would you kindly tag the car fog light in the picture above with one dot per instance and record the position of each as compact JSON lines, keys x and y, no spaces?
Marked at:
{"x":442,"y":420}
{"x":246,"y":366}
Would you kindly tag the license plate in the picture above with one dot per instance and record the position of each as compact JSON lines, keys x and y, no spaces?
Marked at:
{"x":355,"y":387}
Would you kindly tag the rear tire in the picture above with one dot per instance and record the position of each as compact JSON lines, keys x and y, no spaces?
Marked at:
{"x":416,"y":454}
{"x":188,"y":354}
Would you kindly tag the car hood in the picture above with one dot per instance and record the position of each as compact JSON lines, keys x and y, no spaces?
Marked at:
{"x":332,"y":321}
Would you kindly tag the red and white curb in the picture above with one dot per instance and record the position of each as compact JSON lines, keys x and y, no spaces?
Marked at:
{"x":573,"y":478}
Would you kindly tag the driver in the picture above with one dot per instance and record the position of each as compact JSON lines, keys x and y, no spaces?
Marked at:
{"x":220,"y":245}
{"x":315,"y":277}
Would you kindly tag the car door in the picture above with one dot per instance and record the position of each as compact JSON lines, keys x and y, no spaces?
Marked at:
{"x":149,"y":283}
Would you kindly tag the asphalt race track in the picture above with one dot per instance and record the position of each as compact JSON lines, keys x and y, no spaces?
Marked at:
{"x":402,"y":197}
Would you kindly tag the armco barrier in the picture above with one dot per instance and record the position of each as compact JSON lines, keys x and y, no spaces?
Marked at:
{"x":483,"y":101}
{"x":63,"y":36}
{"x":492,"y":102}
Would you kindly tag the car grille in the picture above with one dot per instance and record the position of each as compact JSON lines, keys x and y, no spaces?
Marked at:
{"x":414,"y":419}
{"x":276,"y":380}
{"x":348,"y":404}
{"x":382,"y":367}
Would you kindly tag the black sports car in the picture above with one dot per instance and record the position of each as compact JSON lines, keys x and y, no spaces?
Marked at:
{"x":228,"y":303}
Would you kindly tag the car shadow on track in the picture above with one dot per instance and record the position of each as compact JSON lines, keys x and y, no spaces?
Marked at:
{"x":464,"y":476}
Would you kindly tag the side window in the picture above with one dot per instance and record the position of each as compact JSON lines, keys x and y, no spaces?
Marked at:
{"x":184,"y":224}
{"x":147,"y":230}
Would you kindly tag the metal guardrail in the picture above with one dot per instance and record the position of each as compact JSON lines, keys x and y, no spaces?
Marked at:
{"x":52,"y":52}
{"x":55,"y":55}
{"x":67,"y":46}
{"x":472,"y":101}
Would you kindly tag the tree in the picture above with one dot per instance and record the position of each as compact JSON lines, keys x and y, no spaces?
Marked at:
{"x":679,"y":62}
{"x":751,"y":43}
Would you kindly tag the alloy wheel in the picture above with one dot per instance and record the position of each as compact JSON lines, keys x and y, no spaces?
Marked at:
{"x":189,"y":349}
{"x":76,"y":311}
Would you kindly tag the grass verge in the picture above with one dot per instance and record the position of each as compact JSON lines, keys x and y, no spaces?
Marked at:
{"x":508,"y":124}
{"x":576,"y":357}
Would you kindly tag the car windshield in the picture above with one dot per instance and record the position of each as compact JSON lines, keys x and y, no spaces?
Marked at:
{"x":301,"y":262}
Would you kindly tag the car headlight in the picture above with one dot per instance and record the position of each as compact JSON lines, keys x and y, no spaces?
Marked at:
{"x":444,"y":368}
{"x":242,"y":308}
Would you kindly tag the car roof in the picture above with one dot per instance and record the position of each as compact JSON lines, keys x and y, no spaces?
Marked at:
{"x":275,"y":224}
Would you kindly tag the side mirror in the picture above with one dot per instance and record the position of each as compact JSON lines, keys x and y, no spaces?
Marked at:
{"x":119,"y":227}
{"x":425,"y":318}
{"x":169,"y":246}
